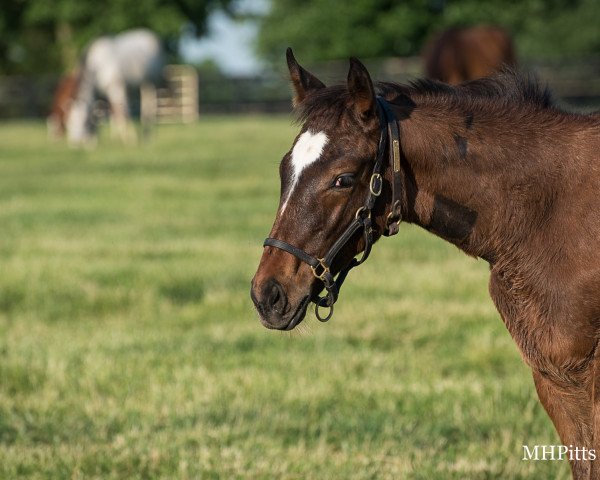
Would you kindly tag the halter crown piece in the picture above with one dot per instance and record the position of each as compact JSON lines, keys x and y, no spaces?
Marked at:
{"x":321,"y":267}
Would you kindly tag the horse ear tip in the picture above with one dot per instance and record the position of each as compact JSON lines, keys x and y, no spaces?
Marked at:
{"x":355,"y":63}
{"x":289,"y":55}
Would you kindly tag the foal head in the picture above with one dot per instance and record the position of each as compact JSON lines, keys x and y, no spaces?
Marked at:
{"x":325,"y":179}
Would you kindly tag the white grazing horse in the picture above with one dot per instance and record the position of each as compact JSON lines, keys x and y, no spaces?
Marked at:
{"x":112,"y":64}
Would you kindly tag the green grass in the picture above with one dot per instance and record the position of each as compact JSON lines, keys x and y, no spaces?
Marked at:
{"x":129,"y":347}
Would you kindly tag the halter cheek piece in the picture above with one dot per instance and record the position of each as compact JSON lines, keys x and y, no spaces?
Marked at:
{"x":321,"y":267}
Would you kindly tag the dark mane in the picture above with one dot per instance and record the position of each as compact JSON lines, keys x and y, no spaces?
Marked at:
{"x":509,"y":90}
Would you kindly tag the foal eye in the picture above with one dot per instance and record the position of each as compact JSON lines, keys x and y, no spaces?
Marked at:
{"x":344,"y":181}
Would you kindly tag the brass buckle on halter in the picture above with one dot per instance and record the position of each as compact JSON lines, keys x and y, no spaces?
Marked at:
{"x":376,"y":184}
{"x":323,"y":266}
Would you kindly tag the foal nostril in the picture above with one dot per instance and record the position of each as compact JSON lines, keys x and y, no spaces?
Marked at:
{"x":275,"y":296}
{"x":255,"y":299}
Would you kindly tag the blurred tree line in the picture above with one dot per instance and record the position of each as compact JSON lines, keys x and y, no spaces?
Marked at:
{"x":47,"y":36}
{"x":333,"y":29}
{"x":42,"y":36}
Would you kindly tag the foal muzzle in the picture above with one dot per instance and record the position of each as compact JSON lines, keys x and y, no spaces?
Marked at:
{"x":321,"y":267}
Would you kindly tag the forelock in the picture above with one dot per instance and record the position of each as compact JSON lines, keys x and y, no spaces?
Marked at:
{"x":324,"y":107}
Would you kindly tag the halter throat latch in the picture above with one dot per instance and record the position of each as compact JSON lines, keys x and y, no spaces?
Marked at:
{"x":394,"y":217}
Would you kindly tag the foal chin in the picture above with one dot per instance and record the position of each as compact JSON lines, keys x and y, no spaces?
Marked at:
{"x":281,"y":289}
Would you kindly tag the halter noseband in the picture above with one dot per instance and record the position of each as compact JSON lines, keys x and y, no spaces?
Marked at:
{"x":321,"y":267}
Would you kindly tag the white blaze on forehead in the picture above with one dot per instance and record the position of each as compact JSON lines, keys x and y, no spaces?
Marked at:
{"x":307,"y":150}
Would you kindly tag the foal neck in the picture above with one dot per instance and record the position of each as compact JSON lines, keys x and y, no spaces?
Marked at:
{"x":474,"y":177}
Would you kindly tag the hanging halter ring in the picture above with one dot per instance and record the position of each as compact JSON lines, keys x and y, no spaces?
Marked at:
{"x":318,"y":312}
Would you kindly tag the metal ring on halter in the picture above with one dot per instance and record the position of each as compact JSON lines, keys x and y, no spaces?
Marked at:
{"x":360,"y":211}
{"x":376,"y":184}
{"x":318,"y":305}
{"x":394,"y":215}
{"x":389,"y":220}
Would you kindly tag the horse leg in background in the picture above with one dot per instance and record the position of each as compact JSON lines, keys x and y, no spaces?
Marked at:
{"x":54,"y":127}
{"x":148,"y":108}
{"x":120,"y":122}
{"x":569,"y":410}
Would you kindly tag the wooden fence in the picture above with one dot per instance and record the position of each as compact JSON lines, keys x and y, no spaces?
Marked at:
{"x":575,"y":82}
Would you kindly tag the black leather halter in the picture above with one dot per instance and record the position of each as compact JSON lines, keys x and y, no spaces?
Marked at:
{"x":321,"y":267}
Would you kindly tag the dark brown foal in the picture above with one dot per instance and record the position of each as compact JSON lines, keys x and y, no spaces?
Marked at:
{"x":492,"y":167}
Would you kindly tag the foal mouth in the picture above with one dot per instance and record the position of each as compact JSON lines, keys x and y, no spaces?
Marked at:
{"x":299,"y":314}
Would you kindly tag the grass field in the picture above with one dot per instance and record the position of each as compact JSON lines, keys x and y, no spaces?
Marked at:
{"x":129,"y":347}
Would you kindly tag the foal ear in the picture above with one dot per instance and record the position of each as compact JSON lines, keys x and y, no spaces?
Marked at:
{"x":303,"y":81}
{"x":361,"y":90}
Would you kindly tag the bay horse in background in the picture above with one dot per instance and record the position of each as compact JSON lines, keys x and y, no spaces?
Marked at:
{"x":460,"y":54}
{"x":131,"y":60}
{"x":492,"y":166}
